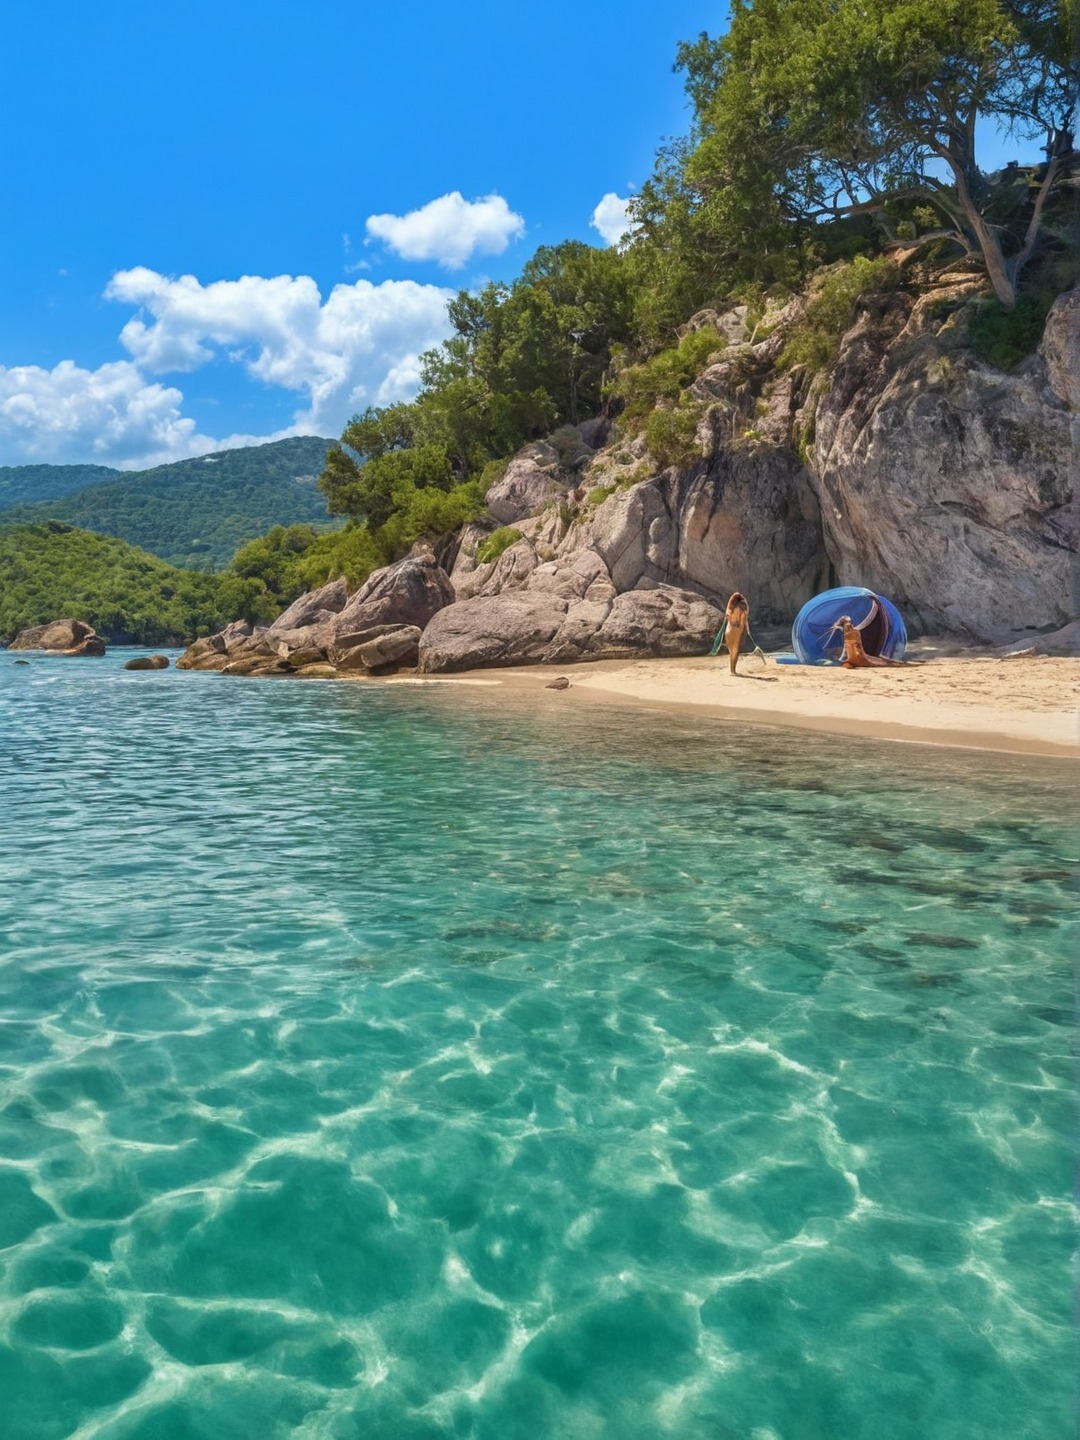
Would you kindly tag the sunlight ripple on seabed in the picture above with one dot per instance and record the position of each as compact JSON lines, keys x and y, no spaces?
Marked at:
{"x":400,"y":1063}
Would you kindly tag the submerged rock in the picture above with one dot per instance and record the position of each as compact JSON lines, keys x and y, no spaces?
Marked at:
{"x":147,"y":662}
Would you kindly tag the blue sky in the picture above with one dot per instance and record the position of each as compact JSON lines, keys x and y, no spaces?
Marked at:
{"x":227,"y":222}
{"x":215,"y":141}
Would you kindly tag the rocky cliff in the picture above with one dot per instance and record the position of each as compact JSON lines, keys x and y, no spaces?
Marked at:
{"x":909,"y":466}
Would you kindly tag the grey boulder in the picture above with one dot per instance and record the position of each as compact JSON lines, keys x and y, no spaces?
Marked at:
{"x":408,"y":593}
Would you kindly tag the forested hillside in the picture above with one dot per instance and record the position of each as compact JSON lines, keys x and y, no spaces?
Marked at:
{"x":51,"y":571}
{"x":197,"y":512}
{"x":26,"y":484}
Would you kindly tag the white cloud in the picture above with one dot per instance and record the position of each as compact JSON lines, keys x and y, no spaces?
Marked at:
{"x":449,"y":230}
{"x":109,"y":416}
{"x":610,"y":218}
{"x":358,"y":347}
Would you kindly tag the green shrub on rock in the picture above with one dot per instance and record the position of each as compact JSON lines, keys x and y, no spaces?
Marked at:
{"x":671,"y":435}
{"x":814,"y":342}
{"x":665,"y":375}
{"x":498,"y":541}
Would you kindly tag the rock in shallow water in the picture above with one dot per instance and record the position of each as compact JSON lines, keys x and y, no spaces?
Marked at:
{"x":69,"y":637}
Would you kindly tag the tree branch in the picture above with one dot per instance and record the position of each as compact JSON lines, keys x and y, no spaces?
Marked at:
{"x":1035,"y":223}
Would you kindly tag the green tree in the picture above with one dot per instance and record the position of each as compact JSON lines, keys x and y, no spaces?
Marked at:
{"x":365,"y":487}
{"x":522,"y":359}
{"x":819,"y":108}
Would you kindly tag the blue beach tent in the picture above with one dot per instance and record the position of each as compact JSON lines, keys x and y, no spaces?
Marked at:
{"x":876,"y":619}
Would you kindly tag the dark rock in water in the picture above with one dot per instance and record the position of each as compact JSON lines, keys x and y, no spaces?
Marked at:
{"x":147,"y":662}
{"x":22,"y":662}
{"x":940,"y":942}
{"x":70,"y":637}
{"x":92,"y":645}
{"x":560,"y":683}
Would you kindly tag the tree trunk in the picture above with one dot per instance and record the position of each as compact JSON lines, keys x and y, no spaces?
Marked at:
{"x":998,"y":268}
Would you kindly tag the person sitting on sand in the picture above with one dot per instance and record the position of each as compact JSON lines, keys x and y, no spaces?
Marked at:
{"x":855,"y":656}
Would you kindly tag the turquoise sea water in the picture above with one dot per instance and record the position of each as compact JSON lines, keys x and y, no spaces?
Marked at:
{"x":411,"y":1062}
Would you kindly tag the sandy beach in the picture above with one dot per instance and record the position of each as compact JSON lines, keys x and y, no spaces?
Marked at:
{"x":1025,"y":706}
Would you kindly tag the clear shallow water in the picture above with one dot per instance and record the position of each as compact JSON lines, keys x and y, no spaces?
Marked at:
{"x":407,"y":1063}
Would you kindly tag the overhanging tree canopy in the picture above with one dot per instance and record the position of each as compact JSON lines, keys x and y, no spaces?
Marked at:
{"x":832,"y":107}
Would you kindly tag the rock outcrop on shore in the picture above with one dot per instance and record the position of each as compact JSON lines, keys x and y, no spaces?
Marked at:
{"x":327,"y":632}
{"x":910,"y":466}
{"x":64,"y":637}
{"x":561,"y":613}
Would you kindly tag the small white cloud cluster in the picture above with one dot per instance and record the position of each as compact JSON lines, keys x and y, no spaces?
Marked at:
{"x":449,"y":230}
{"x":611,"y":220}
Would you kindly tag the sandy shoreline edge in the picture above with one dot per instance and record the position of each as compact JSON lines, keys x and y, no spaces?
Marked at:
{"x":1026,"y":706}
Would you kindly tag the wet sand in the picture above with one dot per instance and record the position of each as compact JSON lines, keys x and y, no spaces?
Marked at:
{"x":1025,"y":706}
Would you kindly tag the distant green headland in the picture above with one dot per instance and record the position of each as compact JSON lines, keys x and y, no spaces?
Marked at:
{"x":193,"y":513}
